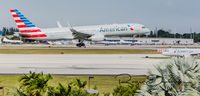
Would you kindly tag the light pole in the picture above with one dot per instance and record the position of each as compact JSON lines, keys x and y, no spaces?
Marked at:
{"x":90,"y":77}
{"x":90,"y":91}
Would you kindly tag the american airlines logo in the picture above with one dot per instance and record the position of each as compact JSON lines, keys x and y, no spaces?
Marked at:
{"x":113,"y":29}
{"x":184,"y":51}
{"x":130,"y":27}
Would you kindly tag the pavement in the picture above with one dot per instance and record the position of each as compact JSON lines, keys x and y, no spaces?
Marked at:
{"x":78,"y":64}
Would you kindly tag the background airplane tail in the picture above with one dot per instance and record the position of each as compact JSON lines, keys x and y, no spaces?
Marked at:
{"x":24,"y":25}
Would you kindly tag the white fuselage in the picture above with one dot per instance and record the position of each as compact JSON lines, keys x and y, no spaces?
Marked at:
{"x":103,"y":30}
{"x":5,"y":40}
{"x":181,"y":52}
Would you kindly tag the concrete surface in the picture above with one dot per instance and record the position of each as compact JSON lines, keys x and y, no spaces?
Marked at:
{"x":82,"y":64}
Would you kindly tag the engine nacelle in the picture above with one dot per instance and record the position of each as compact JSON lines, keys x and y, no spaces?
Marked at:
{"x":97,"y":37}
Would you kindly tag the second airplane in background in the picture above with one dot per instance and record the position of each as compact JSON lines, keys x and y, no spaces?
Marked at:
{"x":95,"y":33}
{"x":181,"y":52}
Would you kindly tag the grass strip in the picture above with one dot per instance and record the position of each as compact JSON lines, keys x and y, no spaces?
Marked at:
{"x":103,"y":83}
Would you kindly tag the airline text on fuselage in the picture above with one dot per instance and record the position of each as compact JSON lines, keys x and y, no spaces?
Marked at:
{"x":113,"y":29}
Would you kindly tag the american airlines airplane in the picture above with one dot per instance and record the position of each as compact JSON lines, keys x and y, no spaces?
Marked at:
{"x":181,"y":52}
{"x":95,"y":33}
{"x":123,"y":42}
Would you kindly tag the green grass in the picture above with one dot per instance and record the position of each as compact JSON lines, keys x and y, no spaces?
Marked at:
{"x":197,"y":57}
{"x":103,"y":83}
{"x":77,"y":51}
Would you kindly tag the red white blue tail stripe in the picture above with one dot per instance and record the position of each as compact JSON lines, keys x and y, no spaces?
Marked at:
{"x":25,"y":26}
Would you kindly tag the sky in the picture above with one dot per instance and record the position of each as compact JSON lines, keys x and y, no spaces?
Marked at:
{"x":177,"y":15}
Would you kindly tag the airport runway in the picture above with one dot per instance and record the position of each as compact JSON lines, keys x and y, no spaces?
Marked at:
{"x":96,"y":64}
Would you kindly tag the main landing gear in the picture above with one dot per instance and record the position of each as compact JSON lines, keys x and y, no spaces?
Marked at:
{"x":81,"y":44}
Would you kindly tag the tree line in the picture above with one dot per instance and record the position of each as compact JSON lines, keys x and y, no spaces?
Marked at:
{"x":9,"y":31}
{"x":166,"y":34}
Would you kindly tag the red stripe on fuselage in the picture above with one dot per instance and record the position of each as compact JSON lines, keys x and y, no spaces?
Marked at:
{"x":35,"y":36}
{"x":29,"y":31}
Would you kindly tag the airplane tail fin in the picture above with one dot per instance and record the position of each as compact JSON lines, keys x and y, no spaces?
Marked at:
{"x":26,"y":28}
{"x":24,"y":25}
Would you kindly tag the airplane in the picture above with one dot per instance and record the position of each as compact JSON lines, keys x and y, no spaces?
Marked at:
{"x":138,"y":43}
{"x":106,"y":43}
{"x":5,"y":40}
{"x":94,"y":32}
{"x":123,"y":42}
{"x":180,"y":52}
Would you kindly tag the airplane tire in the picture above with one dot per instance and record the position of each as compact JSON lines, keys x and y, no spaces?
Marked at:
{"x":80,"y":44}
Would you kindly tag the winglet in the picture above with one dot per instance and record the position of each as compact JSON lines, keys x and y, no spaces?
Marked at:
{"x":59,"y":25}
{"x":69,"y":25}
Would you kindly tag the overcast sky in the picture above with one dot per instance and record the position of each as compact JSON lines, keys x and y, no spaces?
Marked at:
{"x":177,"y":15}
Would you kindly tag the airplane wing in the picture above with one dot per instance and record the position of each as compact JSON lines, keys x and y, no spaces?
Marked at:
{"x":77,"y":34}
